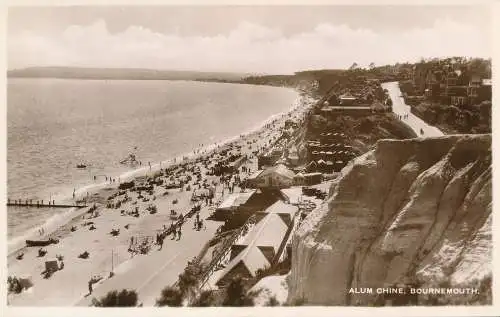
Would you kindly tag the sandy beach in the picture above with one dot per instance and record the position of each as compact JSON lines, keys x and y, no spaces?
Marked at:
{"x":132,"y":223}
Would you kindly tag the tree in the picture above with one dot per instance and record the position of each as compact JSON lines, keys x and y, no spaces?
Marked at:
{"x":125,"y":298}
{"x":170,"y":296}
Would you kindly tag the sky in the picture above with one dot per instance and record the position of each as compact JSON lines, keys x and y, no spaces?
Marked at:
{"x":257,"y":39}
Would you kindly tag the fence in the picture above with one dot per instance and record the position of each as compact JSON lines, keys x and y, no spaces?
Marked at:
{"x":224,"y":250}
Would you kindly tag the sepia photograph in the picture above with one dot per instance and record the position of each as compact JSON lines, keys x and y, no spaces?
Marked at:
{"x":249,"y":156}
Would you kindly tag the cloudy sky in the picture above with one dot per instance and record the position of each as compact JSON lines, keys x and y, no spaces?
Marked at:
{"x":243,"y":39}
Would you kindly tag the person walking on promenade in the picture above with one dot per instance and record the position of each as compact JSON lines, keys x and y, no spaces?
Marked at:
{"x":160,"y":242}
{"x":90,"y":287}
{"x":179,"y":234}
{"x":174,"y":234}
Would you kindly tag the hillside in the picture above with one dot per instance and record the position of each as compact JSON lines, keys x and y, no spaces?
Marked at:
{"x":409,"y":212}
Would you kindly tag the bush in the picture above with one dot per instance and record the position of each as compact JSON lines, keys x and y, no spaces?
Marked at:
{"x":205,"y":299}
{"x":170,"y":296}
{"x":126,"y":185}
{"x":272,"y":301}
{"x":236,"y":294}
{"x":125,"y":298}
{"x":189,"y":278}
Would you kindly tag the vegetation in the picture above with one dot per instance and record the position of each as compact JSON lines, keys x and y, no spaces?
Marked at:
{"x":205,"y":299}
{"x":452,"y":119}
{"x":272,"y":301}
{"x":429,"y":103}
{"x":170,"y":296}
{"x":362,"y":132}
{"x":236,"y":294}
{"x":124,"y":298}
{"x":188,"y":280}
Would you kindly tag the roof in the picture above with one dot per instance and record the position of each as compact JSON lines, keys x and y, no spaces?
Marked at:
{"x":347,"y":98}
{"x":350,"y":107}
{"x":293,"y":194}
{"x":279,"y":169}
{"x":280,"y":207}
{"x":270,"y":231}
{"x":236,"y":199}
{"x":251,"y":257}
{"x":255,"y":174}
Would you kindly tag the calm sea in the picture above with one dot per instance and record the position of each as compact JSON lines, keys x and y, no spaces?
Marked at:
{"x":55,"y":124}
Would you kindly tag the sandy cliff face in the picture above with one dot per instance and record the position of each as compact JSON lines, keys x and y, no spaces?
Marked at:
{"x":416,"y":209}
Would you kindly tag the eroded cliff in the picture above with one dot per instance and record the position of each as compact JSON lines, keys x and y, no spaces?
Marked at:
{"x":415,"y":210}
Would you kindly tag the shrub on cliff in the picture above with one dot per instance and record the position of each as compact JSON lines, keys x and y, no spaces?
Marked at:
{"x":189,"y":278}
{"x":170,"y":296}
{"x":205,"y":299}
{"x":366,"y":125}
{"x":236,"y":294}
{"x":272,"y":301}
{"x":125,"y":298}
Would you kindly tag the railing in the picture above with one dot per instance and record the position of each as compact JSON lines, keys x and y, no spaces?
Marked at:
{"x":284,"y":242}
{"x":226,"y":247}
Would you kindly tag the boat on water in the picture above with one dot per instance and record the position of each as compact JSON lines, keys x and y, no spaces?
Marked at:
{"x":81,"y":165}
{"x":130,"y":160}
{"x":41,"y":243}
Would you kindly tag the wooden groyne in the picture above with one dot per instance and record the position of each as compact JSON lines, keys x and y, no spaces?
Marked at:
{"x":41,"y":205}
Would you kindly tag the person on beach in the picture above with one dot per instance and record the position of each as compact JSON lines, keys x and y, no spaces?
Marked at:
{"x":174,"y":233}
{"x":90,"y":286}
{"x":179,"y":234}
{"x":160,"y":242}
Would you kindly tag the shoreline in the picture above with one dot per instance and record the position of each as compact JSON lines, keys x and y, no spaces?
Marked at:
{"x":55,"y":222}
{"x":158,"y":267}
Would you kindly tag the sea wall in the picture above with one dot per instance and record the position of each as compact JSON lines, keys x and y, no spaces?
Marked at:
{"x":409,"y":210}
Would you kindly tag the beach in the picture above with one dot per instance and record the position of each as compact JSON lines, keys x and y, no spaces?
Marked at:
{"x":154,"y":120}
{"x":109,"y":232}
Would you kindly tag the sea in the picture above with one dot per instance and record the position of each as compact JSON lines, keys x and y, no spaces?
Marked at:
{"x":55,"y":124}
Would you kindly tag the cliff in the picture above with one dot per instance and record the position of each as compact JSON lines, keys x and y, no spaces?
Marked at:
{"x":414,"y":210}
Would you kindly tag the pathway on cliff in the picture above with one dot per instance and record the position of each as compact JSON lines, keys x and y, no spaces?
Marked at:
{"x":400,"y":108}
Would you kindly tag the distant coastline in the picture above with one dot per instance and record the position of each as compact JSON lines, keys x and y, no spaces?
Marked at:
{"x":122,"y":74}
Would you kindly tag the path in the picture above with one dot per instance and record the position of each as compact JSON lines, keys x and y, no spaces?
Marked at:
{"x":400,"y":108}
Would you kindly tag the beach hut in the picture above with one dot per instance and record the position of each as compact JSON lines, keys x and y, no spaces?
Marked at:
{"x":258,"y":249}
{"x":313,"y":178}
{"x":298,"y":179}
{"x":312,"y":166}
{"x":278,"y":176}
{"x":51,"y":266}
